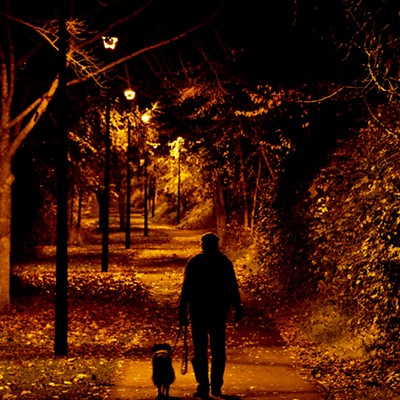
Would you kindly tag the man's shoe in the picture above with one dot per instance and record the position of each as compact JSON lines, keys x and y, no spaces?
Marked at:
{"x":216,"y":392}
{"x":202,"y":392}
{"x":201,"y":395}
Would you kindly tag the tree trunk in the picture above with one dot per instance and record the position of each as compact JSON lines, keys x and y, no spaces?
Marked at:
{"x":80,"y":201}
{"x":61,"y":297}
{"x":72,"y":208}
{"x":219,"y":208}
{"x":122,"y":208}
{"x":243,"y":188}
{"x":255,"y":196}
{"x":153,"y":197}
{"x":6,"y":180}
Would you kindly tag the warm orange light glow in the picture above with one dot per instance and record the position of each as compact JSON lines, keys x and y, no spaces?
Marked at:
{"x":146,"y":118}
{"x":129,"y":94}
{"x":110,"y":42}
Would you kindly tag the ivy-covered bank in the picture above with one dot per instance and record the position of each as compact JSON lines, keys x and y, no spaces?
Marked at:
{"x":327,"y":267}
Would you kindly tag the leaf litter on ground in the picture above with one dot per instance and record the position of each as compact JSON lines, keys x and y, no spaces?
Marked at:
{"x":112,"y":316}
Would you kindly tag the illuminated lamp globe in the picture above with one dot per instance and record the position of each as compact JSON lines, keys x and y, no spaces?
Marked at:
{"x":110,"y":42}
{"x":129,"y":94}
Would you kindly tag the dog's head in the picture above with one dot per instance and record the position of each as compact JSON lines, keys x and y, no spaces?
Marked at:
{"x":161,"y":346}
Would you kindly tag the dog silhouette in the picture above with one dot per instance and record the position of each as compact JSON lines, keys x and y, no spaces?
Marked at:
{"x":163,"y":372}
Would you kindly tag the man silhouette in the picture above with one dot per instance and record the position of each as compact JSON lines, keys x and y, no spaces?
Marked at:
{"x":209,"y":290}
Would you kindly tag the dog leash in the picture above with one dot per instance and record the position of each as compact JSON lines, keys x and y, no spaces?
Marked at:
{"x":177,"y":339}
{"x":184,"y":365}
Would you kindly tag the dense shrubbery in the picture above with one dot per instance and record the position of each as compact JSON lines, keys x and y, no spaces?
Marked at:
{"x":328,"y":267}
{"x":353,"y":237}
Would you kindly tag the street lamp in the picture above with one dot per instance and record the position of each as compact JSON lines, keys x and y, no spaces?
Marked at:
{"x":130,"y":95}
{"x":109,"y":43}
{"x":146,"y":118}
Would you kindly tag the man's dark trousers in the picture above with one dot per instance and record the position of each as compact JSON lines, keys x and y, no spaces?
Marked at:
{"x":215,"y":329}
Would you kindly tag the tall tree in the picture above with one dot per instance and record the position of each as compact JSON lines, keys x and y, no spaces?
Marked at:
{"x":28,"y":39}
{"x":61,"y":309}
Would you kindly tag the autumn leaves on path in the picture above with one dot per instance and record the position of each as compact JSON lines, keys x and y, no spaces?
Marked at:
{"x":258,"y":367}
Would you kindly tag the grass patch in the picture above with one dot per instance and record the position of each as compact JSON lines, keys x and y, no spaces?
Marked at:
{"x":58,"y":378}
{"x":337,"y":357}
{"x":110,"y":319}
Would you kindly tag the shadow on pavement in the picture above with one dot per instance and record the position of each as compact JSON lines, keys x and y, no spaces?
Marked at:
{"x":227,"y":397}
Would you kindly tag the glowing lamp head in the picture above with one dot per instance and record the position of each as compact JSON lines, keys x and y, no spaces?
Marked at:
{"x":145,"y":118}
{"x":129,"y":94}
{"x":110,"y":42}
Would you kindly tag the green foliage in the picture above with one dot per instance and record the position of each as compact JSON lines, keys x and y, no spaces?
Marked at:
{"x":201,"y":216}
{"x":358,"y":214}
{"x":354,"y":235}
{"x":95,"y":286}
{"x":49,"y":377}
{"x":189,"y":172}
{"x":338,"y":280}
{"x":44,"y":229}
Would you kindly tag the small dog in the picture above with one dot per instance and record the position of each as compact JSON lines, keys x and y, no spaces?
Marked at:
{"x":163,"y":371}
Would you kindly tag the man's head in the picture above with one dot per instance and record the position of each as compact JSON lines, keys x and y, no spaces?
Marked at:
{"x":209,"y":242}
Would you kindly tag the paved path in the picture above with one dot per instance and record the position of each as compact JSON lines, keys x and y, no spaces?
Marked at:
{"x":255,"y":370}
{"x":259,"y":365}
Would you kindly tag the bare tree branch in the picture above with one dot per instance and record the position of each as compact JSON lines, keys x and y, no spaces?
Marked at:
{"x":319,"y":100}
{"x":42,"y":106}
{"x":146,"y":49}
{"x":98,"y":36}
{"x":379,"y":121}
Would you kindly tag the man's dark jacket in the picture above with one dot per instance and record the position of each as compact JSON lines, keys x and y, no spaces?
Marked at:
{"x":209,"y":287}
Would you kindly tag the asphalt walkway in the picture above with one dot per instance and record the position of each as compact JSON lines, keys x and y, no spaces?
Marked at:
{"x":254,"y":371}
{"x":259,"y":364}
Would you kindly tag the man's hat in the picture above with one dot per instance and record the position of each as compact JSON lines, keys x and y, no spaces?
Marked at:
{"x":210,"y":238}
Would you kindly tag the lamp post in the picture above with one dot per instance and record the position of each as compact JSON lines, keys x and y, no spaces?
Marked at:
{"x":109,"y":43}
{"x":130,"y":95}
{"x":146,"y":198}
{"x":178,"y":208}
{"x":106,"y":196}
{"x":146,"y":118}
{"x":61,"y":295}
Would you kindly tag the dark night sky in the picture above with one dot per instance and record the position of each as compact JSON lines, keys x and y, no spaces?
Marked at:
{"x":277,"y":40}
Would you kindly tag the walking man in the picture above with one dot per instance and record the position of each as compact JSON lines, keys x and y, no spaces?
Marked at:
{"x":209,"y":290}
